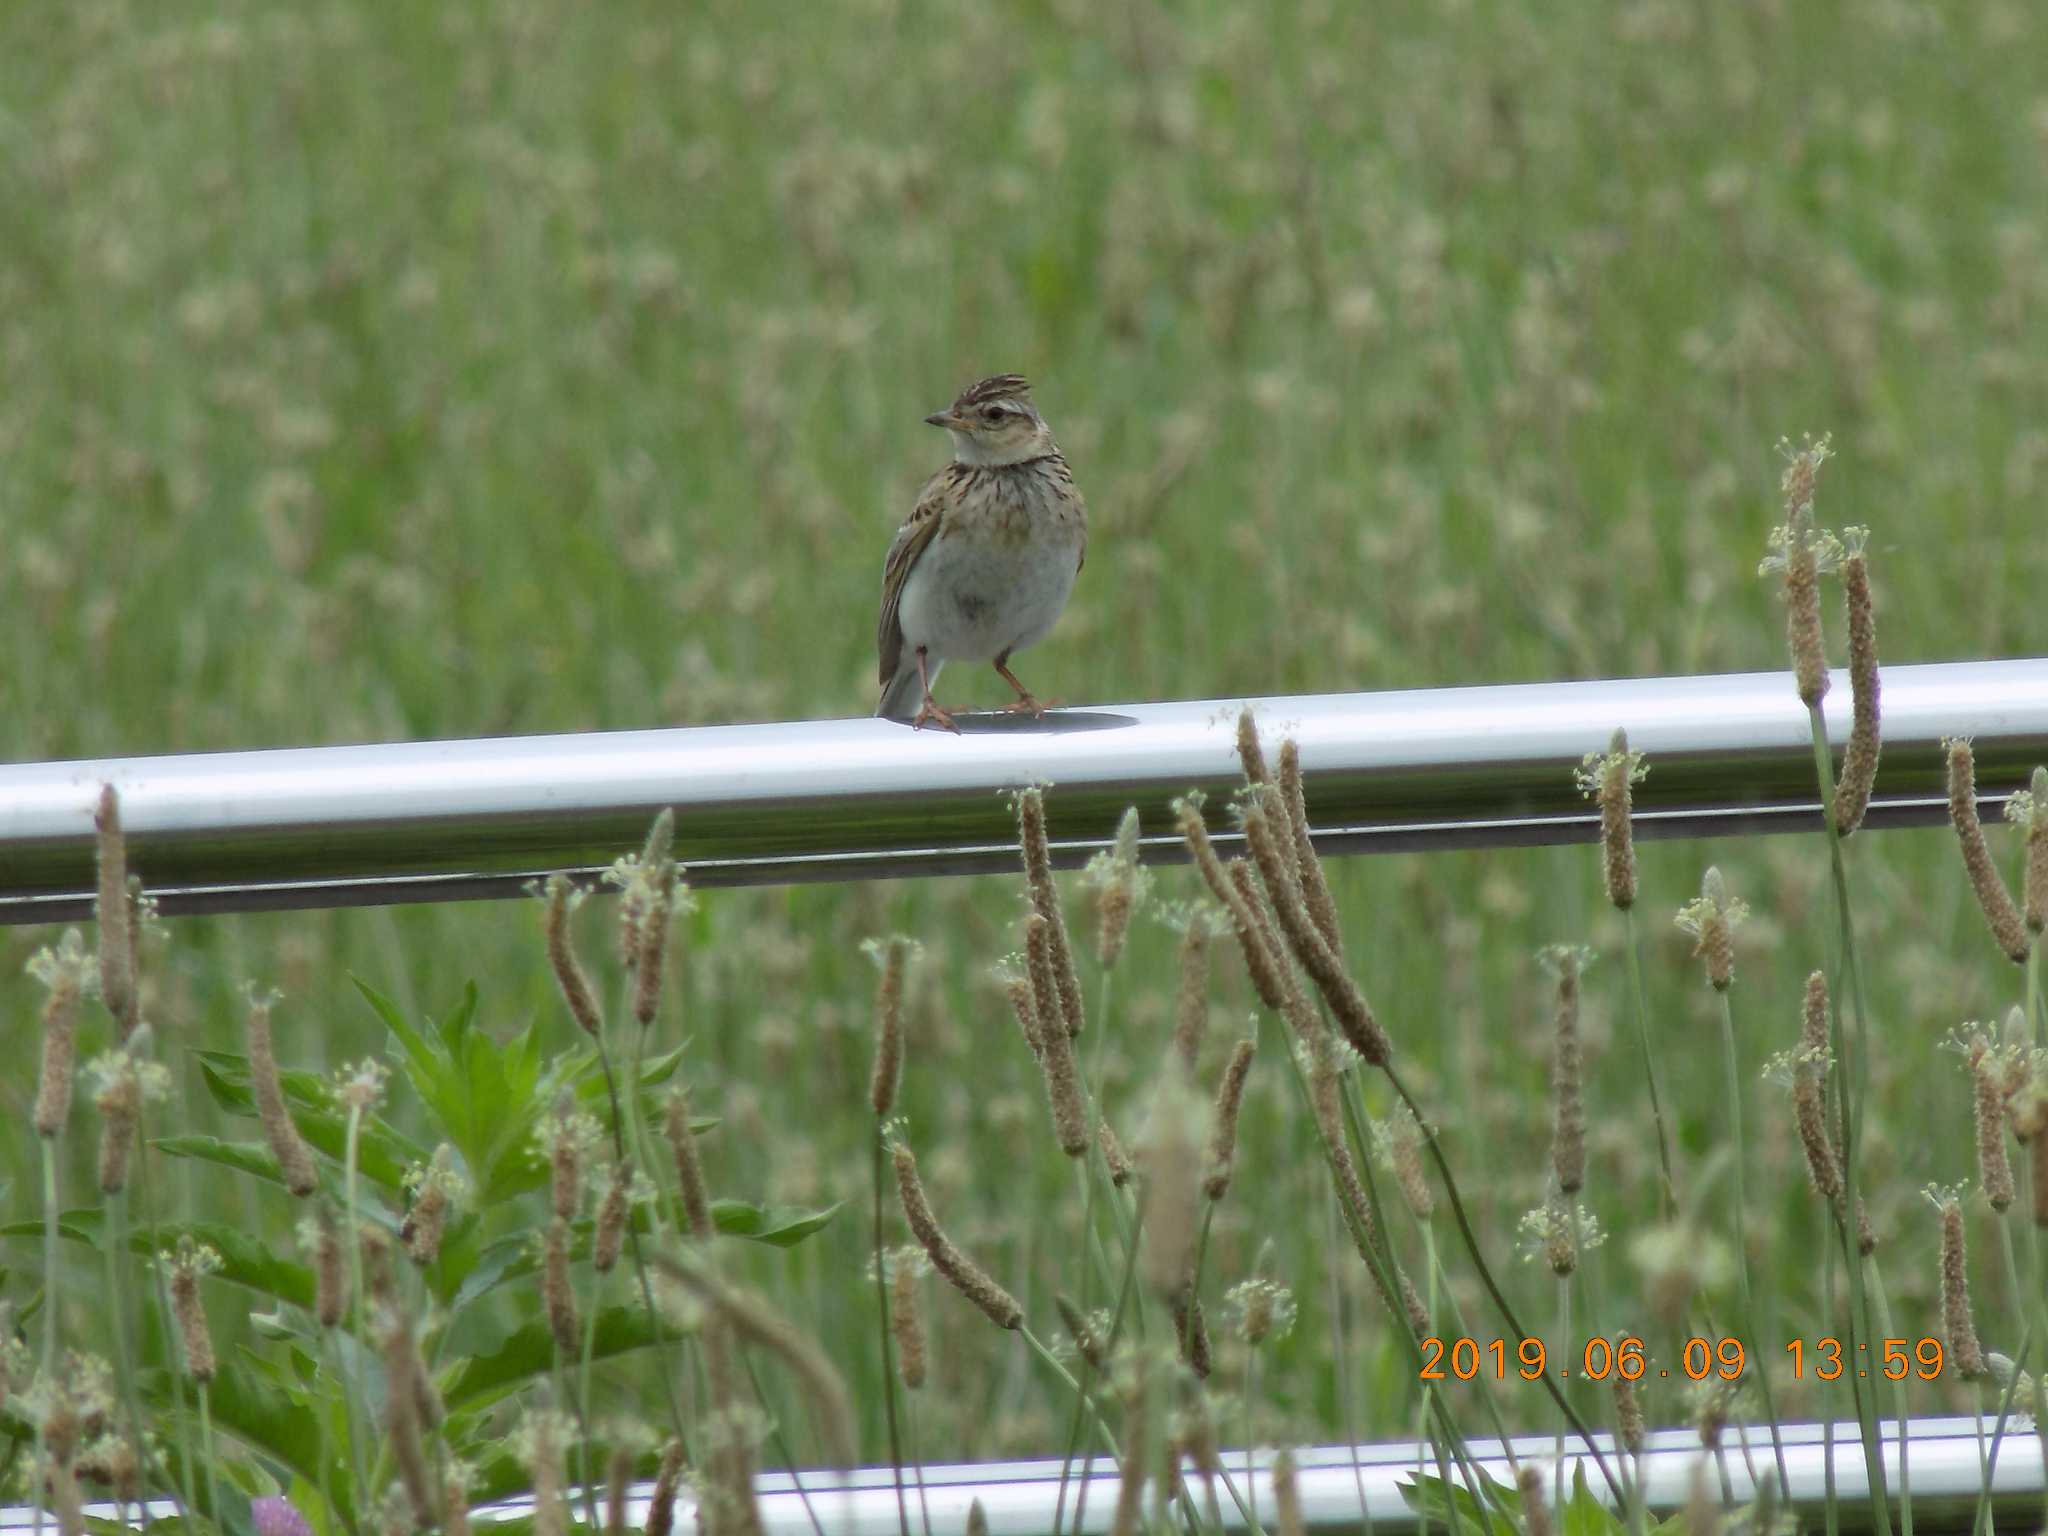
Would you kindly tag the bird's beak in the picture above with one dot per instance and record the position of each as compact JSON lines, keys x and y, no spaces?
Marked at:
{"x":942,"y":419}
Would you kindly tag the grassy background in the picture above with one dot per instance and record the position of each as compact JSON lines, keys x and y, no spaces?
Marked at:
{"x":377,"y":370}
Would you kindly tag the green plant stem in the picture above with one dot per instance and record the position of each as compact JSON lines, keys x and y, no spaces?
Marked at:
{"x":620,"y":1124}
{"x":924,"y":1508}
{"x":49,"y":1372}
{"x":358,"y":1413}
{"x":1732,"y":1080}
{"x":2037,"y":1008}
{"x":183,"y":1502}
{"x":1851,"y":1073}
{"x":126,"y":1367}
{"x":1640,"y":1001}
{"x":206,"y":1450}
{"x":882,"y":1322}
{"x":1486,"y":1277}
{"x":1884,"y":1319}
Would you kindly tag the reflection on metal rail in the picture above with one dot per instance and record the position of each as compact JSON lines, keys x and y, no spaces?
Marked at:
{"x":1946,"y":1456}
{"x":863,"y":799}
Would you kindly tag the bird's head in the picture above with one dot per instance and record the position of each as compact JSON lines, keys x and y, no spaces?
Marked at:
{"x":994,"y":422}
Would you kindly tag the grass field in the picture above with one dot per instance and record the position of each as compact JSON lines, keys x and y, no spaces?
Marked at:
{"x":383,"y":371}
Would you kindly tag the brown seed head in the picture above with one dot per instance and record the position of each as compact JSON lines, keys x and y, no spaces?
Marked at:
{"x":1056,"y":1047}
{"x":266,"y":1084}
{"x":119,"y":1102}
{"x":1169,"y":1160}
{"x":977,"y":1519}
{"x":330,"y":1285}
{"x":1045,"y":900}
{"x":1315,"y":884}
{"x":1223,"y":1123}
{"x":1191,"y":1003}
{"x":1987,"y":1081}
{"x":2037,"y":1164}
{"x":682,"y":1142}
{"x":1711,"y":918}
{"x":1191,"y":1333}
{"x":650,"y":950}
{"x":661,"y":1508}
{"x":2006,"y":927}
{"x":892,"y":955}
{"x":1628,"y":1410}
{"x":1964,"y":1351}
{"x":1401,"y":1139}
{"x":562,"y":897}
{"x":1086,"y":1342}
{"x":1567,"y":1073}
{"x":1859,"y":763}
{"x":434,"y":1188}
{"x":610,"y":1235}
{"x":2028,"y":809}
{"x":1609,"y":779}
{"x":1120,"y":1172}
{"x":1249,"y":753}
{"x":1536,"y":1519}
{"x":187,"y":1265}
{"x":967,"y":1277}
{"x":1809,"y":1076}
{"x":1120,"y":883}
{"x":555,"y":1291}
{"x":1353,"y":1014}
{"x":904,"y":1319}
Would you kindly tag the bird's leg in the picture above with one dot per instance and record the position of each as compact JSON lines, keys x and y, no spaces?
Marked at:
{"x":930,"y":712}
{"x":1025,"y":705}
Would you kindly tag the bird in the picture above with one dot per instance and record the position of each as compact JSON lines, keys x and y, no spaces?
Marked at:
{"x":986,"y":561}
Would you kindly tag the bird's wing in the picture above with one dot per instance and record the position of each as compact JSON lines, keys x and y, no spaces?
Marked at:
{"x":911,"y":539}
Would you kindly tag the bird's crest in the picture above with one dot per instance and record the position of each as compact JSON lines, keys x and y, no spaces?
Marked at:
{"x":1003,"y":386}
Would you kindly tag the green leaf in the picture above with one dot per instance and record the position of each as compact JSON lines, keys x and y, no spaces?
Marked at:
{"x":246,"y":1260}
{"x":1453,"y":1505}
{"x":1583,"y":1514}
{"x":383,"y":1154}
{"x":282,"y":1425}
{"x":780,"y":1226}
{"x":529,"y":1353}
{"x":251,"y":1157}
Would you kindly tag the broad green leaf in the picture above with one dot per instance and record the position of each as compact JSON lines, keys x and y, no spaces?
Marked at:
{"x":529,"y":1353}
{"x":246,"y":1260}
{"x":1583,"y":1514}
{"x":280,"y":1424}
{"x":251,"y":1157}
{"x":383,"y":1153}
{"x":780,"y":1226}
{"x":1454,"y":1506}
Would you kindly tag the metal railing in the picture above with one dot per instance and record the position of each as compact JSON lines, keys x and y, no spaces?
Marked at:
{"x":1947,"y":1458}
{"x":867,"y":799}
{"x":864,"y":799}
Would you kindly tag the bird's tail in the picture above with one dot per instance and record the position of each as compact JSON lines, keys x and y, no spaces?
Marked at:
{"x":902,"y":697}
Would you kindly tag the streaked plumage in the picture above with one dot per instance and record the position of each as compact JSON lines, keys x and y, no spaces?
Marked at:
{"x":985,"y":563}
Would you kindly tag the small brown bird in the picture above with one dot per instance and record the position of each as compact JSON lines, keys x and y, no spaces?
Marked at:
{"x":984,"y":565}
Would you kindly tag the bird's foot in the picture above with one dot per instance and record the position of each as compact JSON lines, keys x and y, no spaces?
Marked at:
{"x":933,"y":713}
{"x":1025,"y":704}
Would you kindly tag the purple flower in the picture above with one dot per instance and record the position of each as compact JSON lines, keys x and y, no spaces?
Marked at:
{"x":278,"y":1516}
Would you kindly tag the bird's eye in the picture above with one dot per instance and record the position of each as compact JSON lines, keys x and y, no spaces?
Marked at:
{"x":992,"y":414}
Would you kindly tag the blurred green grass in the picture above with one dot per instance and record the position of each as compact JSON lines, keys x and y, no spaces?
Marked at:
{"x":376,"y":370}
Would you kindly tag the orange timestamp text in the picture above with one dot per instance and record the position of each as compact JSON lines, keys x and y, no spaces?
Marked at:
{"x":1628,"y":1359}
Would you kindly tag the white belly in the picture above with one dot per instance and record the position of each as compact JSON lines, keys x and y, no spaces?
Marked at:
{"x":974,"y":597}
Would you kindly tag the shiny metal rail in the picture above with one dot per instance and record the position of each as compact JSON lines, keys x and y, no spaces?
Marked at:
{"x":1946,"y":1459}
{"x":1019,"y":1498}
{"x":865,"y":799}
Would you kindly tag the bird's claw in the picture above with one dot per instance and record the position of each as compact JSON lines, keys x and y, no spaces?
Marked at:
{"x":932,"y":713}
